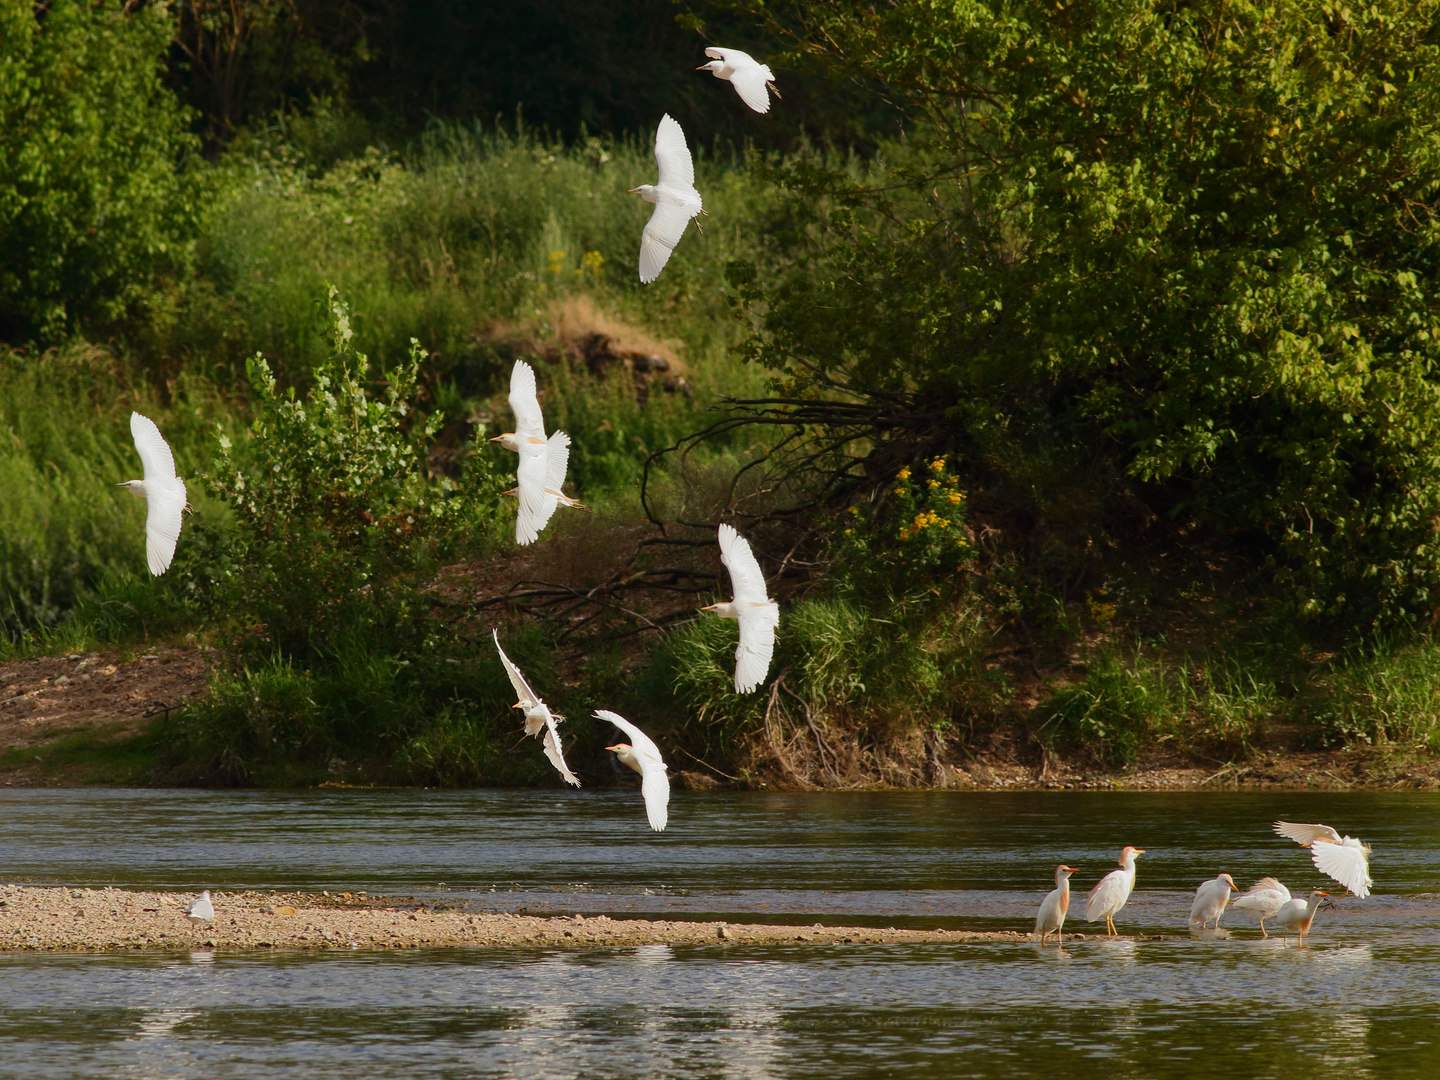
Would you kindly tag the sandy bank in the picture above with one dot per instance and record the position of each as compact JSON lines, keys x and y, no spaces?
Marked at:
{"x":35,"y":918}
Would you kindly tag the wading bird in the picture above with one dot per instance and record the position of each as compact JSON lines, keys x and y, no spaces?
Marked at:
{"x":1051,"y":919}
{"x":644,"y":757}
{"x":750,"y":78}
{"x":1296,"y":916}
{"x":1343,"y":858}
{"x":675,"y":198}
{"x":538,"y":717}
{"x":1113,"y":890}
{"x":1210,"y":900}
{"x":540,"y":472}
{"x":162,"y":490}
{"x":201,"y":909}
{"x":752,"y":607}
{"x":1263,"y":900}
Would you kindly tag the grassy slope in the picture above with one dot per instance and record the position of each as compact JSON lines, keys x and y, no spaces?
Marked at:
{"x":486,"y":247}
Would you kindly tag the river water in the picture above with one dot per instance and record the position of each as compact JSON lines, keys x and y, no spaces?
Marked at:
{"x":1363,"y":996}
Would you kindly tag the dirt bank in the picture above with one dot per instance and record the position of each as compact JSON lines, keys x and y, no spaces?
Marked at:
{"x":38,"y":917}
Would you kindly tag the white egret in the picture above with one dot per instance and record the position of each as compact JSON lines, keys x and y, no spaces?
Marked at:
{"x":1263,"y":900}
{"x":1210,"y":900}
{"x":752,"y":607}
{"x":538,"y":717}
{"x":1296,"y":916}
{"x":675,"y":198}
{"x":643,"y":756}
{"x":201,"y":909}
{"x":162,"y":490}
{"x":1113,"y":890}
{"x":540,"y":472}
{"x":1343,"y":858}
{"x":1053,"y":908}
{"x":750,"y":78}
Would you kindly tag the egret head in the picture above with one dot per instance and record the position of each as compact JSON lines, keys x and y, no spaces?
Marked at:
{"x":713,"y":65}
{"x":645,"y":191}
{"x":1228,"y":881}
{"x":724,"y":609}
{"x":1130,"y":853}
{"x":507,"y":440}
{"x":136,"y":487}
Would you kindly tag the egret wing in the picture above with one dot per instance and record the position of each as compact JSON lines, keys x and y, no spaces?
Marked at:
{"x":677,"y":168}
{"x":745,"y":575}
{"x":662,"y":233}
{"x":164,"y":510}
{"x":655,"y":790}
{"x":525,"y":403}
{"x":557,"y":458}
{"x":757,"y":645}
{"x":1306,"y":834}
{"x":522,"y":687}
{"x":1346,"y":863}
{"x":552,"y":751}
{"x":749,"y":82}
{"x":732,"y":57}
{"x":155,"y":456}
{"x":530,"y":475}
{"x":638,"y":739}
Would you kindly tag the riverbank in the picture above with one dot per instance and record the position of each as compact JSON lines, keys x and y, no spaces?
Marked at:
{"x":38,"y":918}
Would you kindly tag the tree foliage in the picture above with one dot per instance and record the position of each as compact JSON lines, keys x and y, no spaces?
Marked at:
{"x":93,"y":197}
{"x":1193,"y":241}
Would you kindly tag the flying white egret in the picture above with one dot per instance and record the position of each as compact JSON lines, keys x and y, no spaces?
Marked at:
{"x":643,"y":756}
{"x":752,"y":607}
{"x":1053,"y":908}
{"x":201,"y":909}
{"x":540,"y":472}
{"x":1210,"y":900}
{"x":1296,"y":916}
{"x":675,"y":198}
{"x":162,"y":490}
{"x":1263,"y":900}
{"x":538,"y":717}
{"x":1113,"y":890}
{"x":750,"y":78}
{"x":1343,"y":858}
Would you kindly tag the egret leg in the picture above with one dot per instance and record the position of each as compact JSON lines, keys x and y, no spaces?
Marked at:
{"x":1263,"y":931}
{"x":1059,"y":936}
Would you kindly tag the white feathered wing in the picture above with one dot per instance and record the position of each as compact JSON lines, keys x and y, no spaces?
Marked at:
{"x":654,"y":783}
{"x":164,"y":493}
{"x":676,"y":200}
{"x":758,"y":615}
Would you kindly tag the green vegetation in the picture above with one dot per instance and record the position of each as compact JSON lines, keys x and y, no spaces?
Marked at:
{"x":1091,"y":415}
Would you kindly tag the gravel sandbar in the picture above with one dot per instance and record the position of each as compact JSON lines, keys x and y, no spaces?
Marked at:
{"x":99,"y":920}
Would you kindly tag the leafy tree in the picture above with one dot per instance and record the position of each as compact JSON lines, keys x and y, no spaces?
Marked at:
{"x":1191,"y":246}
{"x":93,"y":192}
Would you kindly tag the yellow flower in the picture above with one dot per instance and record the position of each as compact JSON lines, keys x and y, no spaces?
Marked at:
{"x":938,"y":466}
{"x":954,"y":497}
{"x":903,"y":474}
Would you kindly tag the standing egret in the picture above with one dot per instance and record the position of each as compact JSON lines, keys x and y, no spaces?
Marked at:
{"x":1296,"y":916}
{"x":1210,"y":900}
{"x":643,"y":756}
{"x":1113,"y":890}
{"x":1051,"y":919}
{"x":538,"y":716}
{"x":752,"y":607}
{"x":541,"y":469}
{"x":1343,"y":858}
{"x":750,"y":78}
{"x":1263,"y":900}
{"x":201,"y":910}
{"x":163,"y":491}
{"x":675,"y":198}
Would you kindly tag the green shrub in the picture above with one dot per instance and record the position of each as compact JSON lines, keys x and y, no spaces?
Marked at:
{"x":1389,"y":697}
{"x":95,"y":198}
{"x":1123,"y":703}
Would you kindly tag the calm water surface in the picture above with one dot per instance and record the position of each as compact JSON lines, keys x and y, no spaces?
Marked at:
{"x":1363,"y":998}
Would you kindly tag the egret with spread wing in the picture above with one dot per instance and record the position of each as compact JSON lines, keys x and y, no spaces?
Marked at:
{"x":752,"y":607}
{"x":162,"y":490}
{"x":643,"y":756}
{"x":1112,"y":891}
{"x":750,"y":78}
{"x":540,"y":473}
{"x":675,"y":198}
{"x":538,"y":717}
{"x":1343,"y":858}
